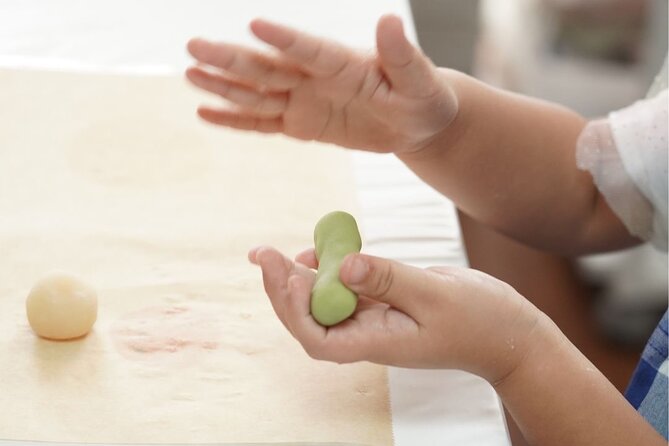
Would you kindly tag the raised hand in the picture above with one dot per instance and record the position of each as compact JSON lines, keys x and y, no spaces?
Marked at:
{"x":310,"y":88}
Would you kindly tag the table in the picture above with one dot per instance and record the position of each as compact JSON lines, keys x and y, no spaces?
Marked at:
{"x":402,"y":218}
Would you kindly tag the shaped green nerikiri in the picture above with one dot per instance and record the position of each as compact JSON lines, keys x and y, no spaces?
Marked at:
{"x":336,"y":235}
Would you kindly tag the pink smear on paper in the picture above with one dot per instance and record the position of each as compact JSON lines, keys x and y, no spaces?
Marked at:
{"x":173,"y":333}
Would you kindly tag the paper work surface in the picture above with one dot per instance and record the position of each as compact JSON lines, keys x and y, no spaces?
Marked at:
{"x":114,"y":179}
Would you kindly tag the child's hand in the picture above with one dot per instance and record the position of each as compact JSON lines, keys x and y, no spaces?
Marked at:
{"x":314,"y":89}
{"x":460,"y":318}
{"x":407,"y":317}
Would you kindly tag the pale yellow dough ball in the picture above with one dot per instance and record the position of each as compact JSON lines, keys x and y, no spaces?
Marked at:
{"x":61,"y":306}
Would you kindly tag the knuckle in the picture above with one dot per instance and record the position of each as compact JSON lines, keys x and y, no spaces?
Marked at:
{"x":268,"y":75}
{"x":446,"y":273}
{"x":224,"y":89}
{"x":230,"y":63}
{"x":271,"y":104}
{"x":384,"y":278}
{"x":442,"y":270}
{"x":254,"y":101}
{"x":265,"y":70}
{"x":507,"y":289}
{"x":496,"y":286}
{"x":292,"y":46}
{"x":314,"y":53}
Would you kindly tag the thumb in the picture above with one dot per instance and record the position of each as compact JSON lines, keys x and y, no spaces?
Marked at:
{"x":408,"y":70}
{"x":400,"y":286}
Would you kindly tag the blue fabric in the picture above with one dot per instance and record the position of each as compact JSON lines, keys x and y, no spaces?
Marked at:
{"x":647,"y":391}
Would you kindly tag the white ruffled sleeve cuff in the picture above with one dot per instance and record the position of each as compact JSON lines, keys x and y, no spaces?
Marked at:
{"x":627,"y":157}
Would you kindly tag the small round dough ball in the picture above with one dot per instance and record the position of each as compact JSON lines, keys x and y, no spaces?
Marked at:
{"x":61,"y":306}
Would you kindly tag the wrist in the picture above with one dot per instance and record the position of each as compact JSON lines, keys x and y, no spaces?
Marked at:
{"x":557,"y":396}
{"x":543,"y":342}
{"x":455,"y":84}
{"x":504,"y":335}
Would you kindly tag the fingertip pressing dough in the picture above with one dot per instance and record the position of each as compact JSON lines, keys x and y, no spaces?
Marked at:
{"x":61,"y":306}
{"x":336,"y":235}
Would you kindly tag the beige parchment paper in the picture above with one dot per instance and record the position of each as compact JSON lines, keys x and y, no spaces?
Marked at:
{"x":114,"y":178}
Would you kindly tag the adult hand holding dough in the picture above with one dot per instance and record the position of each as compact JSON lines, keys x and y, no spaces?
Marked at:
{"x":61,"y":306}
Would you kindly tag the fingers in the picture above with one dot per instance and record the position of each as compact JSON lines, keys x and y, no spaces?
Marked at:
{"x":289,"y":290}
{"x":342,"y":344}
{"x":316,"y":55}
{"x":245,"y":64}
{"x":253,"y":254}
{"x":308,"y":258}
{"x":288,"y":286}
{"x":298,"y":315}
{"x":376,"y":332}
{"x":241,"y":121}
{"x":408,"y":70}
{"x":275,"y":272}
{"x":401,"y":286}
{"x":262,"y":104}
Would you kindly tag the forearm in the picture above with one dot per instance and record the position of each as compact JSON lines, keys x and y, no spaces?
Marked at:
{"x":509,"y":162}
{"x":558,"y":397}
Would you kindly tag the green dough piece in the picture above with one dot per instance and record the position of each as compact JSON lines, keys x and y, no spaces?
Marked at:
{"x":336,"y":235}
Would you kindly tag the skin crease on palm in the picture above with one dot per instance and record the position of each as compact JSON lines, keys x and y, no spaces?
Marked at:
{"x":462,"y":138}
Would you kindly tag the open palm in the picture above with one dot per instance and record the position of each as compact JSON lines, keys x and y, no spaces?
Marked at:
{"x":314,"y":89}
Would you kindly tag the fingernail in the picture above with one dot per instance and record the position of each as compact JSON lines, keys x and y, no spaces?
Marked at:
{"x":357,"y":270}
{"x":193,"y":42}
{"x":252,"y":254}
{"x":257,"y":251}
